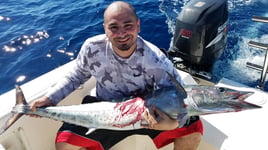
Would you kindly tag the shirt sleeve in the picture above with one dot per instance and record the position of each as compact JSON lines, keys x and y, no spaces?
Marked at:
{"x":78,"y":74}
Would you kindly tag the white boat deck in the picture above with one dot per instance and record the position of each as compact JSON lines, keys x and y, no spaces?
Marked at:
{"x":230,"y":131}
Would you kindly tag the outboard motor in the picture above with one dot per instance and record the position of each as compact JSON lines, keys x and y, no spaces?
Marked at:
{"x":200,"y":35}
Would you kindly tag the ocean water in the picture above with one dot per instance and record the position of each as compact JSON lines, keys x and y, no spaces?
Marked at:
{"x":40,"y":35}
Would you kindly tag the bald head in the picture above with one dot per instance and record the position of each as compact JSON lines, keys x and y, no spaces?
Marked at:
{"x":121,"y":26}
{"x":120,"y":7}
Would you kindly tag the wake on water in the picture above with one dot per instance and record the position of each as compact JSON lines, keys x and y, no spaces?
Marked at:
{"x":232,"y":64}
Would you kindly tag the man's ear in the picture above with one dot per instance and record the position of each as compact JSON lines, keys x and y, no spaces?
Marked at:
{"x":103,"y":25}
{"x":139,"y":26}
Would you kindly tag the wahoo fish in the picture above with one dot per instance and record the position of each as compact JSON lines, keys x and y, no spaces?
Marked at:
{"x":176,"y":101}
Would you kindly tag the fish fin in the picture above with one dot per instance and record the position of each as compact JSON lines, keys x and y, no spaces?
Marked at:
{"x":20,"y":99}
{"x":11,"y":120}
{"x":178,"y":85}
{"x":185,"y":120}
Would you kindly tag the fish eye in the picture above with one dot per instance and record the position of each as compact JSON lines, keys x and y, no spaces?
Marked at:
{"x":221,"y":89}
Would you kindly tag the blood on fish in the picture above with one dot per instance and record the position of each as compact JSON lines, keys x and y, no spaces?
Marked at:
{"x":135,"y":106}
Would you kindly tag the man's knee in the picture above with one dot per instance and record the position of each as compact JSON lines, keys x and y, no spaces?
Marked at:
{"x":188,"y":142}
{"x":66,"y":146}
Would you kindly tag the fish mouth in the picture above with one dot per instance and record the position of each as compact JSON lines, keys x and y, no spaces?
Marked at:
{"x":240,"y":95}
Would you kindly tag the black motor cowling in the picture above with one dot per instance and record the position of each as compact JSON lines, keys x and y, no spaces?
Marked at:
{"x":201,"y":33}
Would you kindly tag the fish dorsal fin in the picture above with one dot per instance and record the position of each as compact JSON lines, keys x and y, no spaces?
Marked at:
{"x":178,"y":85}
{"x":20,"y":99}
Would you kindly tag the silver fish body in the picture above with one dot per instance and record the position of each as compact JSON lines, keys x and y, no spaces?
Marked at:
{"x":177,"y":102}
{"x":105,"y":115}
{"x":125,"y":115}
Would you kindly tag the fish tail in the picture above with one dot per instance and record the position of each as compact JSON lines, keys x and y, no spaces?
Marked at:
{"x":16,"y":113}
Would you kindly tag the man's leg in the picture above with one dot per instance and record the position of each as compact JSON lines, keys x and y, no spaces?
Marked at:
{"x":187,"y":137}
{"x":66,"y":146}
{"x":188,"y":142}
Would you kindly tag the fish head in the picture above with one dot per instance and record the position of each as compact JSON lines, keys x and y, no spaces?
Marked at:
{"x":227,"y":93}
{"x":204,"y":100}
{"x":214,"y":93}
{"x":234,"y":94}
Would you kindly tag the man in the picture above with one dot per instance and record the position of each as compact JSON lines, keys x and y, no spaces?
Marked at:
{"x":124,"y":65}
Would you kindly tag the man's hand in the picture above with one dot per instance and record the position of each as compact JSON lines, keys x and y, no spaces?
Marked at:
{"x":43,"y":101}
{"x":164,"y":124}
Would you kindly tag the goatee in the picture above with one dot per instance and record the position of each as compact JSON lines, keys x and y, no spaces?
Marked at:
{"x":124,"y":47}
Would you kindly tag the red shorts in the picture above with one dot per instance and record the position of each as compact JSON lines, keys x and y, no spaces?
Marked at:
{"x":104,"y":139}
{"x":167,"y":137}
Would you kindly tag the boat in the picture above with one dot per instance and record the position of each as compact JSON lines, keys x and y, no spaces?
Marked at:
{"x":228,"y":131}
{"x":241,"y":130}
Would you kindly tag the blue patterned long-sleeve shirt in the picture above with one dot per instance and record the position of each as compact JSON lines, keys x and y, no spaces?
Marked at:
{"x":116,"y":77}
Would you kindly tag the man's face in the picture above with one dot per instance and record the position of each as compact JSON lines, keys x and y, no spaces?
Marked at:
{"x":122,"y":28}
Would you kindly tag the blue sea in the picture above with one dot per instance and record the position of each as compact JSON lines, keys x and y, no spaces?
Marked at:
{"x":40,"y":35}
